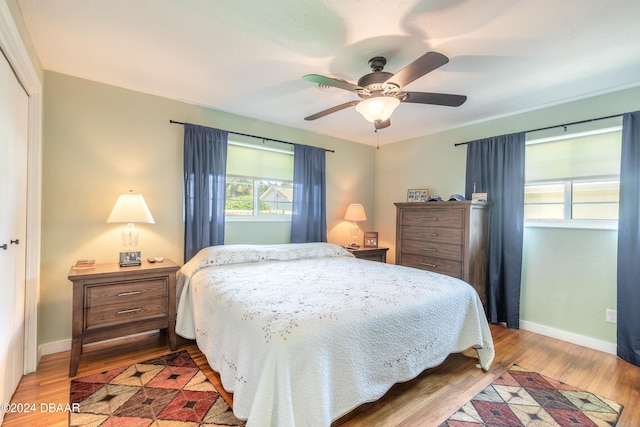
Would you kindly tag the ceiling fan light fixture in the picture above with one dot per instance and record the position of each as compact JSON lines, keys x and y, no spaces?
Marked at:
{"x":378,"y":108}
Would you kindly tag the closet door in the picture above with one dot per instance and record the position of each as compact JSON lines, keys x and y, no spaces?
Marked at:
{"x":13,"y":202}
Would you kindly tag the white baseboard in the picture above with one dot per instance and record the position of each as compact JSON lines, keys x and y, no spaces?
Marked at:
{"x":571,"y":337}
{"x":607,"y":347}
{"x":55,"y":347}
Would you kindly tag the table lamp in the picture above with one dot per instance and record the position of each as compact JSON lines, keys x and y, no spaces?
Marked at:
{"x":130,"y":208}
{"x":355,"y":213}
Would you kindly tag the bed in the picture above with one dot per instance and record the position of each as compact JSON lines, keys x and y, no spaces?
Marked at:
{"x":301,"y":334}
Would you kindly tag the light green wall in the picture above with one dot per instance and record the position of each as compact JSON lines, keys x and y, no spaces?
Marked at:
{"x":100,"y":141}
{"x":569,"y":280}
{"x":569,"y":275}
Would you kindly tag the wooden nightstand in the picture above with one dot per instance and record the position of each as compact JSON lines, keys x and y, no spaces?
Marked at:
{"x":110,"y":301}
{"x":372,"y":254}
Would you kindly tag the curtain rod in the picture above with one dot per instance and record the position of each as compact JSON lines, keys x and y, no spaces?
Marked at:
{"x":557,"y":126}
{"x":257,"y":137}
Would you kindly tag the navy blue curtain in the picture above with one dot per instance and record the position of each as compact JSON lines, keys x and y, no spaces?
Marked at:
{"x":309,"y":220}
{"x":496,"y":166}
{"x":629,"y":242}
{"x":205,"y":168}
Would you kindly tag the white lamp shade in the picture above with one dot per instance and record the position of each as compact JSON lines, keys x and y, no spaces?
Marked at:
{"x":355,"y":212}
{"x":130,"y":208}
{"x":378,"y":108}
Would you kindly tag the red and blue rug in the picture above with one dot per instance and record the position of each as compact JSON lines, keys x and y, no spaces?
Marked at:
{"x":167,"y":391}
{"x":520,"y":398}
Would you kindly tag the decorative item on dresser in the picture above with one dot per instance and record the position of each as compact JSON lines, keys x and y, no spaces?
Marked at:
{"x":372,"y":254}
{"x":110,"y":301}
{"x":451,"y":238}
{"x":417,"y":195}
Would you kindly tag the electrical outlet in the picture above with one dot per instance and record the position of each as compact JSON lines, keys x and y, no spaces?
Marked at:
{"x":611,"y":316}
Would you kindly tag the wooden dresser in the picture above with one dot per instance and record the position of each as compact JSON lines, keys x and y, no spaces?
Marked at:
{"x":110,"y":301}
{"x":451,"y":238}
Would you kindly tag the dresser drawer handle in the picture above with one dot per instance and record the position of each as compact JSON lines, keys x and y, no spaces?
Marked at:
{"x":430,"y":250}
{"x":429,"y":265}
{"x":133,"y":310}
{"x":433,"y":218}
{"x":432,"y":234}
{"x":126,"y":294}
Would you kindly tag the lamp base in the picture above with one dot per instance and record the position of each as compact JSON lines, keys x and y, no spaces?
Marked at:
{"x":354,"y":235}
{"x":130,"y":259}
{"x":130,"y":236}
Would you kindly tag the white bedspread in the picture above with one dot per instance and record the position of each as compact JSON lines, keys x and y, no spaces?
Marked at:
{"x":304,"y":333}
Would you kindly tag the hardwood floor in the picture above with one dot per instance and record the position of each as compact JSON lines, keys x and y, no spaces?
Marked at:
{"x":425,"y":401}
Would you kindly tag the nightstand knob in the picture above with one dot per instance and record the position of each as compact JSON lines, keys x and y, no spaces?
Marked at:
{"x":4,"y":247}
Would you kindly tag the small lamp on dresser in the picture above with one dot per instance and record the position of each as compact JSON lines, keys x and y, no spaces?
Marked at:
{"x":355,"y":213}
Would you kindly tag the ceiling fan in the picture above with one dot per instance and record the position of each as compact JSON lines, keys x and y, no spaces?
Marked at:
{"x":381,"y":91}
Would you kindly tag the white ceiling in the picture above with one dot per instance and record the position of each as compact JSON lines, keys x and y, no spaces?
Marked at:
{"x":248,"y":56}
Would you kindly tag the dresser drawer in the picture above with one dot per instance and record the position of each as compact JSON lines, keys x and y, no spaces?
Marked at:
{"x":450,"y":268}
{"x":433,"y":234}
{"x":433,"y":249}
{"x":129,"y":292}
{"x":125,"y":312}
{"x":433,"y":217}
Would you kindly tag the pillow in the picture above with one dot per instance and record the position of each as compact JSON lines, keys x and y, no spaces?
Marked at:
{"x":239,"y":254}
{"x":291,"y":251}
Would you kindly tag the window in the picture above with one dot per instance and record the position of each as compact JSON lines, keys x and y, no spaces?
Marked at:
{"x":573,"y":179}
{"x":259,"y":183}
{"x":257,"y":197}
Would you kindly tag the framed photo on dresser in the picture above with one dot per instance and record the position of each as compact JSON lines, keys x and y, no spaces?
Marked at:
{"x":130,"y":259}
{"x":417,"y":195}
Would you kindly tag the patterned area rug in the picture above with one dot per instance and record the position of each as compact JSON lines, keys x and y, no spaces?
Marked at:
{"x":168,"y":391}
{"x":526,"y":399}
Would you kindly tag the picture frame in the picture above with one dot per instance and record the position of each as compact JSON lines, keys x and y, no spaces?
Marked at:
{"x":130,"y":259}
{"x":417,"y":195}
{"x":370,"y":239}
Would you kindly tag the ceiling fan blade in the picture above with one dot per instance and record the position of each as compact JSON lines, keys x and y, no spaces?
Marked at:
{"x":382,"y":124}
{"x":328,"y":81}
{"x":332,"y":110}
{"x":445,"y":99}
{"x":418,"y":68}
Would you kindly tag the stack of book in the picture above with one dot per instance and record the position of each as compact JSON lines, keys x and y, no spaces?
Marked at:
{"x":81,"y":264}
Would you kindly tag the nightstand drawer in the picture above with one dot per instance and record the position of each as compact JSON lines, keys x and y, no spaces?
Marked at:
{"x":123,"y":313}
{"x":450,"y":268}
{"x":128,"y":292}
{"x":371,"y":254}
